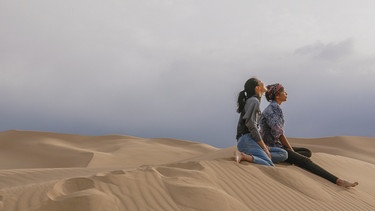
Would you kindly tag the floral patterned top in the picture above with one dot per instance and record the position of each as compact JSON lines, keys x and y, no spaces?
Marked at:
{"x":272,"y":125}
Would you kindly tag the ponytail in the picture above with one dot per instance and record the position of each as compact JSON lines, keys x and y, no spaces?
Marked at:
{"x":249,"y":91}
{"x":242,"y":97}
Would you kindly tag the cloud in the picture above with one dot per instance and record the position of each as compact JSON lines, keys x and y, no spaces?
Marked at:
{"x":174,"y":68}
{"x":330,"y":51}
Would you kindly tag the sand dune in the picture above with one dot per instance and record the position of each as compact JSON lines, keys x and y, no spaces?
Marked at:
{"x":49,"y":171}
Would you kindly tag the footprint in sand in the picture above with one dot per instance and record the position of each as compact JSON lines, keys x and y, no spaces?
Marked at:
{"x":110,"y":177}
{"x":115,"y":172}
{"x":75,"y":184}
{"x":186,"y":182}
{"x":69,"y":186}
{"x":192,"y":165}
{"x":172,"y":170}
{"x":78,"y":194}
{"x":118,"y":172}
{"x":180,"y":173}
{"x":189,"y":169}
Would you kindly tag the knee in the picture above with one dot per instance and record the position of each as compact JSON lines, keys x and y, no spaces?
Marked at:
{"x":283,"y":154}
{"x":286,"y":155}
{"x":308,"y":154}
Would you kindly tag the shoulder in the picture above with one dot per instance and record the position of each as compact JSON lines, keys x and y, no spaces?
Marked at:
{"x":273,"y":107}
{"x":252,"y":103}
{"x":253,"y":100}
{"x":252,"y":106}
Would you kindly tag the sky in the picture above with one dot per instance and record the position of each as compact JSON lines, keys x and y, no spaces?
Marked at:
{"x":173,"y":69}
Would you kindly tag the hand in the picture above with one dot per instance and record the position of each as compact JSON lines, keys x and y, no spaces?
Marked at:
{"x":267,"y":152}
{"x":291,"y":149}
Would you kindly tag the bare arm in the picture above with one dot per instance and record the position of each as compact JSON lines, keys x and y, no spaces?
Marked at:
{"x":264,"y":147}
{"x":285,"y":142}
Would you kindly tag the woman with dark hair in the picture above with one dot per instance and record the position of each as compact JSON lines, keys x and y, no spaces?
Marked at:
{"x":250,"y":146}
{"x":272,"y":132}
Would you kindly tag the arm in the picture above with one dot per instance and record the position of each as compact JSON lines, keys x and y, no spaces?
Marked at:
{"x":264,"y":147}
{"x":256,"y":136}
{"x":274,"y":120}
{"x":285,"y":142}
{"x":252,"y":116}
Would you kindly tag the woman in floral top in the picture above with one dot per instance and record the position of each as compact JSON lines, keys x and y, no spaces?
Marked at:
{"x":272,"y":132}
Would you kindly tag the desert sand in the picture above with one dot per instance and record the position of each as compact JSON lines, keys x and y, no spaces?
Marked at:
{"x":50,"y":171}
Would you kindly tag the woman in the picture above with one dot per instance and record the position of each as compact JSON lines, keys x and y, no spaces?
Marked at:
{"x":272,"y":131}
{"x":250,"y":146}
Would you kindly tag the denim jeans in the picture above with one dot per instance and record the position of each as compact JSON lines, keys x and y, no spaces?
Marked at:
{"x":278,"y":154}
{"x":249,"y":146}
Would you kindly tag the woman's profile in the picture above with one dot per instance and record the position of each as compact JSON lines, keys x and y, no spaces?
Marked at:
{"x":272,"y":133}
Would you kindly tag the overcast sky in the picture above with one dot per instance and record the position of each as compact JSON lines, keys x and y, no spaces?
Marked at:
{"x":163,"y":68}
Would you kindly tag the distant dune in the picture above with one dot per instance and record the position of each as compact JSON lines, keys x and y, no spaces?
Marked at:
{"x":53,"y":172}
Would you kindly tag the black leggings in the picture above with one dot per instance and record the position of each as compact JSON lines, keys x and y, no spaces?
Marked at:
{"x":303,"y":151}
{"x":300,"y":158}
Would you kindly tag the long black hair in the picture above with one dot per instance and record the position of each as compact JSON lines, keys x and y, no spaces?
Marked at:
{"x":249,"y":91}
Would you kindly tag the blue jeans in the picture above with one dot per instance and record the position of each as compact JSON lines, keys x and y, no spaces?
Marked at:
{"x":249,"y":146}
{"x":278,"y":154}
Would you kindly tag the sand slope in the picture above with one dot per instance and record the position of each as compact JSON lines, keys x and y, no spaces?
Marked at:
{"x":49,"y":171}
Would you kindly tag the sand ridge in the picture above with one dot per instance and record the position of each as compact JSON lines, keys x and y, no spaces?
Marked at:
{"x":130,"y":173}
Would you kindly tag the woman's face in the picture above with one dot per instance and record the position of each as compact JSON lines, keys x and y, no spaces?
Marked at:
{"x":282,"y":96}
{"x":260,"y":89}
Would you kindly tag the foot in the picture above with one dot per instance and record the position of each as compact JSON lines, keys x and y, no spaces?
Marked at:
{"x":240,"y":156}
{"x":346,"y":184}
{"x":237,"y":156}
{"x":247,"y":157}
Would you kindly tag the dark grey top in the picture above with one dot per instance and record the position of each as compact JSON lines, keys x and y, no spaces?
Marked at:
{"x":249,"y":119}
